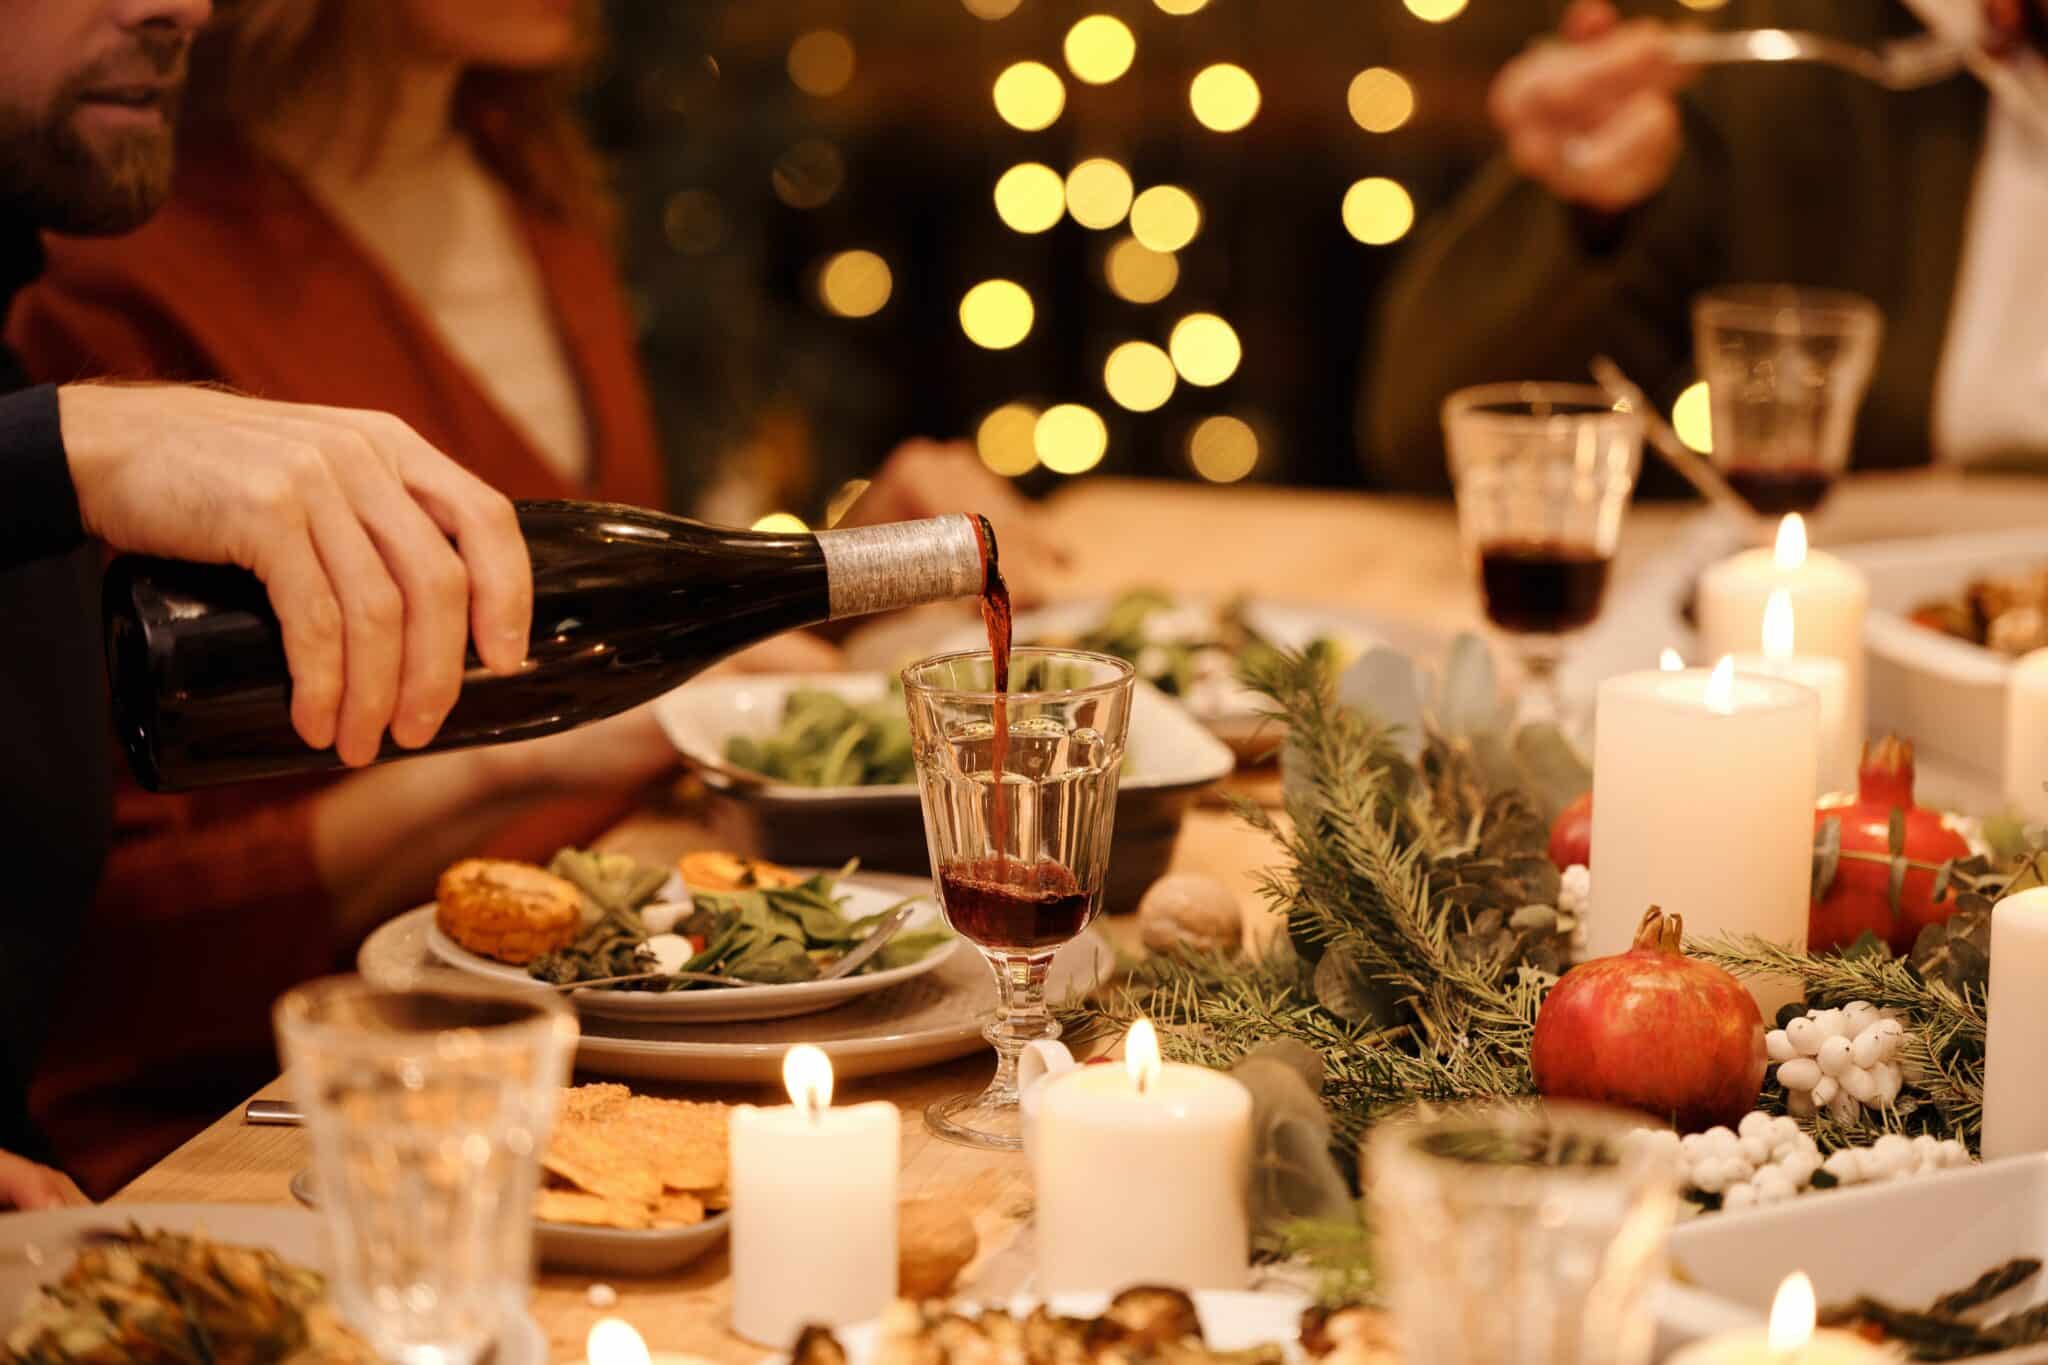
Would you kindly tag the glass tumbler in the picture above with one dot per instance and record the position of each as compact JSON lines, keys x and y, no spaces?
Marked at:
{"x":1543,"y":474}
{"x":1522,"y":1234}
{"x":1786,"y":369}
{"x":1019,"y":860}
{"x":428,"y":1110}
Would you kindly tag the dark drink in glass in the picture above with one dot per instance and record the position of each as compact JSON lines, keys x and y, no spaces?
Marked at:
{"x":1006,"y":905}
{"x":1774,"y":490}
{"x":1541,"y":587}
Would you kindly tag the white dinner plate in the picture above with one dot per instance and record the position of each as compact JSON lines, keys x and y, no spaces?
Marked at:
{"x":36,"y":1248}
{"x":1232,"y":1320}
{"x":726,"y":1004}
{"x":934,"y":1018}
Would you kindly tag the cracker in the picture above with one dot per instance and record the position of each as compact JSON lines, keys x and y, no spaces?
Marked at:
{"x":593,"y":1101}
{"x":677,"y":1210}
{"x":590,"y":1210}
{"x":688,"y":1143}
{"x":590,"y":1158}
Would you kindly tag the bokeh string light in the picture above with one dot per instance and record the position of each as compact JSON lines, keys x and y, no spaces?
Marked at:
{"x":1380,"y":100}
{"x":1224,"y":97}
{"x":808,"y":174}
{"x":1436,"y":11}
{"x":991,"y":10}
{"x":1138,"y":274}
{"x":1181,"y":6}
{"x":786,"y":523}
{"x":1165,"y":218}
{"x":855,"y":284}
{"x":1029,"y":96}
{"x":1098,"y":193}
{"x":1030,"y":197}
{"x":1378,"y":211}
{"x":1205,"y":349}
{"x":1099,"y":49}
{"x":1692,"y":417}
{"x":821,"y":62}
{"x":1005,"y":440}
{"x":997,"y":314}
{"x":1223,"y":449}
{"x":1139,"y":376}
{"x":1070,"y":438}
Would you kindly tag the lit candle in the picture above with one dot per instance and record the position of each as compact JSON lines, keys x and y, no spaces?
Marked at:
{"x":813,"y":1208}
{"x":1141,"y":1175}
{"x":1829,"y":595}
{"x":1703,"y":796}
{"x":1840,"y":745}
{"x":1670,"y":661}
{"x":614,"y":1341}
{"x":1791,"y":1338}
{"x":2016,"y":1020}
{"x":2026,"y":736}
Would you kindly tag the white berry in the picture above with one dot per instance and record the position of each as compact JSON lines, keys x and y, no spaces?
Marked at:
{"x":1953,"y":1153}
{"x":1868,"y":1049}
{"x":1804,"y":1035}
{"x":1799,"y":1166}
{"x":1778,"y":1045}
{"x":1741,"y":1195}
{"x":1830,"y":1023}
{"x":1692,"y":1147}
{"x":1772,"y":1186}
{"x":1826,"y":1089}
{"x":1755,"y":1151}
{"x":1787,"y":1130}
{"x":1846,"y":1166}
{"x":1889,"y":1079}
{"x":1859,"y":1015}
{"x":1716,"y":1175}
{"x":1834,"y":1056}
{"x":1860,"y":1083}
{"x":1801,"y":1073}
{"x":1755,"y":1124}
{"x":1720,"y":1140}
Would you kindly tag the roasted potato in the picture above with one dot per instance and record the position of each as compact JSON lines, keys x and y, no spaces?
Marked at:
{"x":511,"y":912}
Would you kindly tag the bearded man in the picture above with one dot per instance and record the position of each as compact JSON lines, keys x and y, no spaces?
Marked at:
{"x":382,"y":557}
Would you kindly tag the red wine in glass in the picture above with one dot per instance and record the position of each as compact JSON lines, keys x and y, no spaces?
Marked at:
{"x":995,"y":618}
{"x":1774,"y":490}
{"x":1541,"y":587}
{"x":1008,"y":906}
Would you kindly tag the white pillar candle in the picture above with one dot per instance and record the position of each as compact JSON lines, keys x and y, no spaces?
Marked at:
{"x":1841,"y":746}
{"x":1791,"y":1338}
{"x":1829,"y":596}
{"x":2026,"y":736}
{"x":2016,"y":1022}
{"x":1703,"y":797}
{"x":1141,"y":1174}
{"x":813,"y":1208}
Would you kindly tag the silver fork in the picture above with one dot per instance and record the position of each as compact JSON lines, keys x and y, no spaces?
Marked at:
{"x":1902,"y":64}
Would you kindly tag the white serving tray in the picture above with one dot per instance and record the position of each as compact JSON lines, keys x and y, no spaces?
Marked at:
{"x":1947,"y":695}
{"x":1905,"y":1242}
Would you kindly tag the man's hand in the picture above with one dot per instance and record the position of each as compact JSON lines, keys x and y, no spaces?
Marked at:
{"x":1593,"y":117}
{"x":929,"y":479}
{"x":25,"y":1185}
{"x":346,"y":516}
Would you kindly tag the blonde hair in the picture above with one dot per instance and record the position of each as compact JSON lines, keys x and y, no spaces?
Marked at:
{"x":260,"y":58}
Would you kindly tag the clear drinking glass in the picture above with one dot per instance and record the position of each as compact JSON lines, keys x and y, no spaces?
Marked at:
{"x":1786,"y":369}
{"x":1543,"y":474}
{"x":1018,"y":863}
{"x":428,"y":1110}
{"x":1526,"y":1234}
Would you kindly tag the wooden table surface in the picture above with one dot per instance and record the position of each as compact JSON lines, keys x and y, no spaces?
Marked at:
{"x":1392,"y":556}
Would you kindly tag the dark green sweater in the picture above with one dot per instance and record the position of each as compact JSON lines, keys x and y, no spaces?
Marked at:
{"x":1790,"y":174}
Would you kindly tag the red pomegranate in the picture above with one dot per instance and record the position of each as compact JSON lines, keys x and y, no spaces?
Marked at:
{"x":1571,"y":838}
{"x":1860,"y":896}
{"x":1655,"y":1030}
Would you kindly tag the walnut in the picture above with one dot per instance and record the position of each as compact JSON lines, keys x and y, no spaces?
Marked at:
{"x":934,"y":1243}
{"x":1188,"y":910}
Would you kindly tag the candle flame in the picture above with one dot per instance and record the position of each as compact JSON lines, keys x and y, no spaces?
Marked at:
{"x":612,"y":1341}
{"x":807,"y":1073}
{"x":1671,"y":661}
{"x":1793,"y":1314}
{"x":1720,"y":696}
{"x":1791,"y":550}
{"x":1778,"y":628}
{"x":1141,"y":1055}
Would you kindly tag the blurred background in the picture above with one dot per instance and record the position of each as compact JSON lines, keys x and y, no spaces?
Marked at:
{"x":1165,"y":223}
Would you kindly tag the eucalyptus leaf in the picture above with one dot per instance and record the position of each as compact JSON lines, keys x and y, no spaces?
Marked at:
{"x":1895,"y":833}
{"x":1939,"y":891}
{"x":1552,"y":767}
{"x":1344,"y":990}
{"x":1867,"y":944}
{"x":1895,"y":891}
{"x":1384,"y":684}
{"x":1468,"y":704}
{"x":1495,"y":760}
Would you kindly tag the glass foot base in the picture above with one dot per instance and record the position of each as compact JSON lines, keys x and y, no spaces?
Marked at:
{"x":978,"y":1119}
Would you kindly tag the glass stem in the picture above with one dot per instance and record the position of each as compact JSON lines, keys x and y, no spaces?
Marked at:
{"x":1021,"y":1019}
{"x":1541,"y":699}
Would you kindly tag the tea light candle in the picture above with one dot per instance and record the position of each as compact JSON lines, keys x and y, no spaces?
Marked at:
{"x":614,"y":1341}
{"x":2026,"y":736}
{"x":1703,"y":796}
{"x":1791,"y":1338}
{"x":2016,"y":1020}
{"x":1840,"y":745}
{"x":1142,"y":1174}
{"x":1829,"y":596}
{"x":813,"y":1208}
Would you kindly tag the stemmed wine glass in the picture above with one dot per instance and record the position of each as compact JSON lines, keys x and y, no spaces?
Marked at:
{"x":1786,"y":369}
{"x":1543,"y":474}
{"x":1019,"y":859}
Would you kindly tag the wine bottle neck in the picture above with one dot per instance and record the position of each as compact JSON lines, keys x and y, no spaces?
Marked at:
{"x":902,"y":564}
